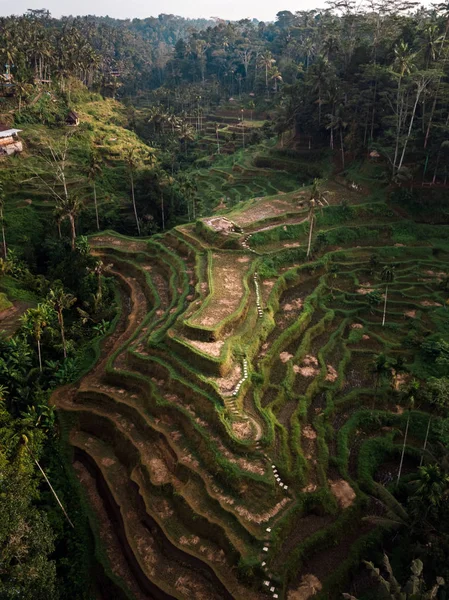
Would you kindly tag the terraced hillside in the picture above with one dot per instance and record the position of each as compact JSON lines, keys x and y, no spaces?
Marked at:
{"x":235,"y":431}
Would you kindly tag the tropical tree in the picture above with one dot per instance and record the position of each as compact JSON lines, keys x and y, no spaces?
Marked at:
{"x":36,"y":320}
{"x":382,"y":369}
{"x":30,"y":452}
{"x":437,"y":394}
{"x":94,"y":171}
{"x":387,"y":276}
{"x":132,"y":163}
{"x":316,"y":198}
{"x":69,"y":209}
{"x":60,"y":301}
{"x":431,"y":486}
{"x":217,"y":128}
{"x":2,"y":219}
{"x":414,"y":589}
{"x":411,"y":403}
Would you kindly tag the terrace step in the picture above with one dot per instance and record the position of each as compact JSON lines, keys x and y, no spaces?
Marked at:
{"x":166,"y":568}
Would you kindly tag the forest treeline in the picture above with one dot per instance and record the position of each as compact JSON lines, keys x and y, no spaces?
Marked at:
{"x":356,"y":78}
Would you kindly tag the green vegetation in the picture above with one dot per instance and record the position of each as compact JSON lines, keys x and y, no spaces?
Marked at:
{"x":224,"y":282}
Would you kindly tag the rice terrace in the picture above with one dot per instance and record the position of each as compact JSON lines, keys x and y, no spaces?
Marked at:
{"x":224,"y":304}
{"x":240,"y":413}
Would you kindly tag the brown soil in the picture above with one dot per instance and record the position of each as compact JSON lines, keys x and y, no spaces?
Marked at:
{"x":111,"y":544}
{"x":220,"y":224}
{"x":210,"y":348}
{"x":430,"y":303}
{"x":294,"y":305}
{"x":309,"y":586}
{"x":10,"y":318}
{"x":242,"y":430}
{"x":332,"y":374}
{"x":285,"y":357}
{"x":263,"y":209}
{"x":309,"y":432}
{"x":228,"y":291}
{"x":343,"y":492}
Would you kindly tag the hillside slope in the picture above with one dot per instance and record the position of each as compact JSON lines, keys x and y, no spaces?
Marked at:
{"x":235,"y":416}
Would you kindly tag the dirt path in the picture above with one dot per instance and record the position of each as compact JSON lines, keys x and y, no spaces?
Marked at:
{"x":10,"y":318}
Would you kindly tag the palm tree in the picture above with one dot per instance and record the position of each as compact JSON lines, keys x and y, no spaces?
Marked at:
{"x":94,"y":171}
{"x":387,"y":276}
{"x":2,"y":220}
{"x":30,"y":452}
{"x":185,"y":134}
{"x":36,"y":320}
{"x":311,"y":218}
{"x":414,"y":589}
{"x":411,"y":403}
{"x":188,"y":188}
{"x":381,"y":367}
{"x":437,"y":395}
{"x":267,"y":61}
{"x":431,"y":486}
{"x":132,"y":162}
{"x":218,"y":139}
{"x":315,"y":198}
{"x":319,"y":77}
{"x":275,"y":77}
{"x":336,"y":122}
{"x":60,"y":301}
{"x":404,"y":63}
{"x":251,"y":106}
{"x":70,"y":209}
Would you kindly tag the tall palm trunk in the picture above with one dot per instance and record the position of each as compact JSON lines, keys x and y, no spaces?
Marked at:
{"x":39,"y":354}
{"x":163,"y":211}
{"x":61,"y":327}
{"x":399,"y":107}
{"x":342,"y":148}
{"x":134,"y":203}
{"x":425,"y":441}
{"x":418,"y":94}
{"x":49,"y":485}
{"x":403,"y":448}
{"x":310,"y":236}
{"x":5,"y":250}
{"x":73,"y":230}
{"x":385,"y":305}
{"x":96,"y":207}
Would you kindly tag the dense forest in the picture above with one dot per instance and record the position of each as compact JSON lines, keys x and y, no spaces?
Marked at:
{"x":131,"y":318}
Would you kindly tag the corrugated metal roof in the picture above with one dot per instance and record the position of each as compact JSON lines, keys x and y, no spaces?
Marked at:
{"x":9,"y":132}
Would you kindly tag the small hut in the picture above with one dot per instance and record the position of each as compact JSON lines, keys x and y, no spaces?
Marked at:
{"x":9,"y":141}
{"x":72,"y":119}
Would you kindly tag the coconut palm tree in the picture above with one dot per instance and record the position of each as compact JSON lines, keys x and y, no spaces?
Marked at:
{"x":2,"y":219}
{"x":387,"y":276}
{"x":381,"y":368}
{"x":267,"y":61}
{"x":36,"y":320}
{"x":70,"y":208}
{"x":431,"y":486}
{"x":315,"y":199}
{"x":27,"y":447}
{"x":437,"y":393}
{"x":218,"y":139}
{"x":94,"y":171}
{"x":132,"y":162}
{"x":60,"y":301}
{"x":411,"y":403}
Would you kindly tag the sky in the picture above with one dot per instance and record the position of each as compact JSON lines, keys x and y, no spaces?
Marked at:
{"x":264,"y":10}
